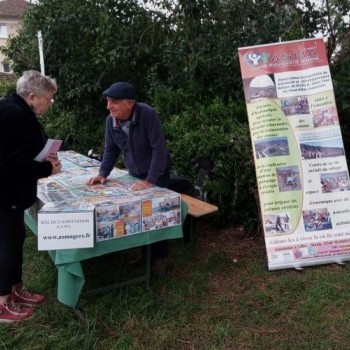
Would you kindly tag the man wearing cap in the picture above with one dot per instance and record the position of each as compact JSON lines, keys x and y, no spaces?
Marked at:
{"x":134,"y":129}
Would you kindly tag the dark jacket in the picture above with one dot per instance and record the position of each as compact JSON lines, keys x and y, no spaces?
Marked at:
{"x":21,"y":139}
{"x":145,"y":151}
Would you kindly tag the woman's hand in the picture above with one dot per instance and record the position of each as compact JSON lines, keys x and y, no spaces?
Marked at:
{"x":55,"y":162}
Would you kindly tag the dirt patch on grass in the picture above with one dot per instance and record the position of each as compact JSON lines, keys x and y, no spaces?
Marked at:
{"x":233,"y":243}
{"x":224,"y":252}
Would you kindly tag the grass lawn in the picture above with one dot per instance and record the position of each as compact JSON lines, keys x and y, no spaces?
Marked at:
{"x":216,"y":295}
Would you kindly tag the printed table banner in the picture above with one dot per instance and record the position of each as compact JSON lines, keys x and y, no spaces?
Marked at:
{"x":300,"y":163}
{"x":70,"y":213}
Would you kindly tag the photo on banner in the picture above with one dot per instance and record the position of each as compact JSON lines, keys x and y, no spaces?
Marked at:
{"x":300,"y":163}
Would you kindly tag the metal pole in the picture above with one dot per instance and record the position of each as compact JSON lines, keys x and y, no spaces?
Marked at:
{"x":41,"y":52}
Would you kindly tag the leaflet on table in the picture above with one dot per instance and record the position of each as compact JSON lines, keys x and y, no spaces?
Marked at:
{"x":115,"y":220}
{"x":161,"y":212}
{"x":74,"y":160}
{"x":51,"y":147}
{"x":53,"y":192}
{"x":300,"y":163}
{"x":80,"y":159}
{"x":70,"y":177}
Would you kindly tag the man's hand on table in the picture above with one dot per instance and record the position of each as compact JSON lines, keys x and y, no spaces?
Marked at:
{"x":140,"y":185}
{"x":96,"y":180}
{"x":136,"y":186}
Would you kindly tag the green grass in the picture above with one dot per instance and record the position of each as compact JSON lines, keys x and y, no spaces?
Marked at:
{"x":207,"y":301}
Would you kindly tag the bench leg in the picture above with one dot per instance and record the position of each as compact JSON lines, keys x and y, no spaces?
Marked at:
{"x":189,"y":235}
{"x":193,"y":230}
{"x":148,"y":267}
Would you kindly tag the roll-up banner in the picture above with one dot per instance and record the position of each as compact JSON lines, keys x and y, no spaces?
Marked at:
{"x":300,"y":163}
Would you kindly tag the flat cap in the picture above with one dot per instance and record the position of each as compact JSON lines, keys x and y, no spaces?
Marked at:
{"x":120,"y":91}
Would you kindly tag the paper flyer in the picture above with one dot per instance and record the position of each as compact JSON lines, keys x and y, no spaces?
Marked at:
{"x":52,"y":147}
{"x":300,"y":163}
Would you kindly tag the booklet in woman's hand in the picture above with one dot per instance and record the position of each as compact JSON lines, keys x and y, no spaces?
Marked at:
{"x":52,"y":147}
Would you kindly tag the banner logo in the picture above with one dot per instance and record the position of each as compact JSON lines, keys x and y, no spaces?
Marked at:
{"x":255,"y":58}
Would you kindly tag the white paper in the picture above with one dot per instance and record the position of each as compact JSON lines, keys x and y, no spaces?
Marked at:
{"x":65,"y":230}
{"x":52,"y":146}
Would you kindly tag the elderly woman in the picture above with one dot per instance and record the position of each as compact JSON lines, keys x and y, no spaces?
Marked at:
{"x":21,"y":139}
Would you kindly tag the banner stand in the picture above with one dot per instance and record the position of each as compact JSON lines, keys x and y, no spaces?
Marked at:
{"x":300,"y":163}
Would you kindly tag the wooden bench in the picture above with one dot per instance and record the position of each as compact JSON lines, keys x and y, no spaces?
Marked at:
{"x":196,"y":209}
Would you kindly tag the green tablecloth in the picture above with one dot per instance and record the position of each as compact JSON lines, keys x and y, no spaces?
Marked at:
{"x":71,"y":277}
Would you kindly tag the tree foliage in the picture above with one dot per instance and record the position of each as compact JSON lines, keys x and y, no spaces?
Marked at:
{"x":182,"y":58}
{"x":87,"y":46}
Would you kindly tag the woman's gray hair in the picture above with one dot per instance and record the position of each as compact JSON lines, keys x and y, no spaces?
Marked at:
{"x":32,"y":81}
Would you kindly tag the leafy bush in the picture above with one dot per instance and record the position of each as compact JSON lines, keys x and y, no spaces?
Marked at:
{"x":218,"y":131}
{"x":341,"y":81}
{"x":6,"y":88}
{"x":77,"y":134}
